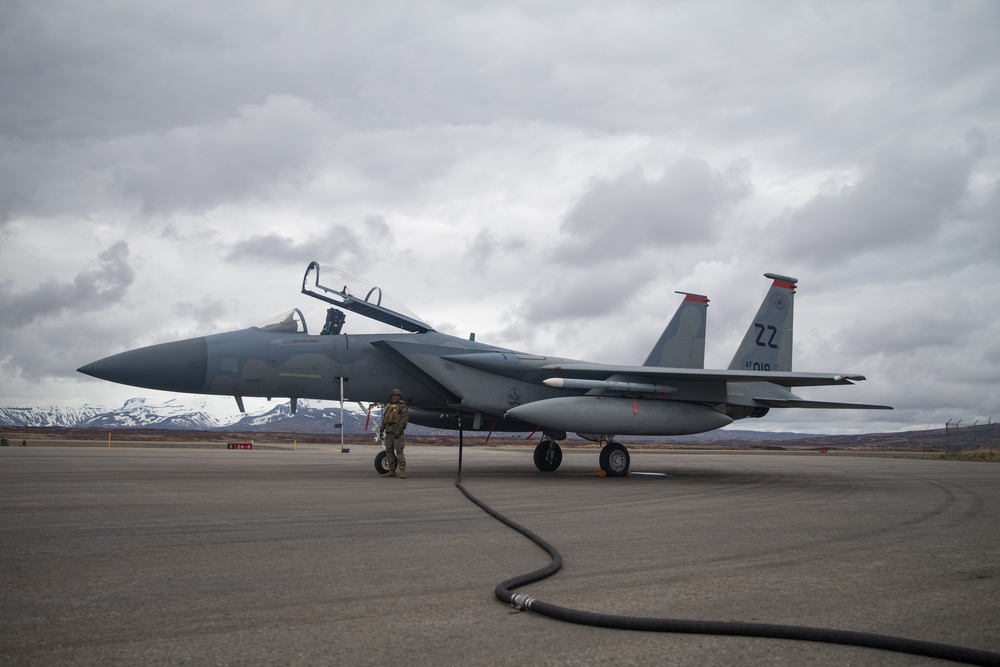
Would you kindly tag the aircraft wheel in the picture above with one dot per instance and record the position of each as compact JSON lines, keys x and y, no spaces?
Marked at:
{"x":380,"y":463}
{"x":548,"y":456}
{"x":615,"y":460}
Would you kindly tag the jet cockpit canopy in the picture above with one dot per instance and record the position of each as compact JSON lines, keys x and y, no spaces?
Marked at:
{"x":360,"y":296}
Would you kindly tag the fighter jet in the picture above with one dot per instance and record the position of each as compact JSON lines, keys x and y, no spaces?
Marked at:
{"x":461,"y":384}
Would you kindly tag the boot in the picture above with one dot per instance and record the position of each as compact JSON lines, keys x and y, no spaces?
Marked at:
{"x":391,"y":473}
{"x":402,"y":473}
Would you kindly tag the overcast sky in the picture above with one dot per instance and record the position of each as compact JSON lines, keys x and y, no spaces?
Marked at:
{"x":544,"y":174}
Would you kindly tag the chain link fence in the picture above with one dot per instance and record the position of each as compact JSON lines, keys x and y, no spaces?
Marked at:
{"x":961,"y":435}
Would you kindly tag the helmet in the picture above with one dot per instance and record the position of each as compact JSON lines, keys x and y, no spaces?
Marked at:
{"x":396,"y":392}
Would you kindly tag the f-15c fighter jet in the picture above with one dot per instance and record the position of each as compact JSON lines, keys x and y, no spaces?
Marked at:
{"x":457,"y":383}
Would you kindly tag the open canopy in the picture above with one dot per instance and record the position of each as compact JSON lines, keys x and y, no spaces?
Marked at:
{"x":360,"y":296}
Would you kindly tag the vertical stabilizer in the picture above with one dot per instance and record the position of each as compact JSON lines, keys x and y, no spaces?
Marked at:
{"x":682,"y":343}
{"x":767,"y":345}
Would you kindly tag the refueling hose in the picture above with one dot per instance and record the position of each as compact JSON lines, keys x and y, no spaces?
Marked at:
{"x":504,"y":593}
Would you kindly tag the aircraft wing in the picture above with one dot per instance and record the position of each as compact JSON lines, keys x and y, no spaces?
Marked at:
{"x":610,"y":377}
{"x":515,"y":365}
{"x":591,"y":371}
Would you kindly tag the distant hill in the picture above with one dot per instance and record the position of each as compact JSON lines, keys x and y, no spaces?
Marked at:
{"x":202,"y":415}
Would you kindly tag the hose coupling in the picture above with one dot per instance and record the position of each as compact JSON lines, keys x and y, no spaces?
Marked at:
{"x":521,"y":602}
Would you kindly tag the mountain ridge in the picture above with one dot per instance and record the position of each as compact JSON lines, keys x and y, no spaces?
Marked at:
{"x":214,"y":415}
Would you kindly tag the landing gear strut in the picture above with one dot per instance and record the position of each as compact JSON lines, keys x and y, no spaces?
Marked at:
{"x":548,"y":455}
{"x":615,"y":460}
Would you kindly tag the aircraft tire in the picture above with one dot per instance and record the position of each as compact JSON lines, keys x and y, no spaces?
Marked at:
{"x":380,"y":463}
{"x":615,"y":460}
{"x":548,"y":456}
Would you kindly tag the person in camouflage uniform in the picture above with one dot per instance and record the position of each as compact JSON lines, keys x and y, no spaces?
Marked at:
{"x":394,"y":418}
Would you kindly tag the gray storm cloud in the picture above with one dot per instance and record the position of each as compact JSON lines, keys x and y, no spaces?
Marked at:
{"x":340,"y":244}
{"x":904,"y":194}
{"x":684,"y":205}
{"x":246,"y":157}
{"x":93,"y":289}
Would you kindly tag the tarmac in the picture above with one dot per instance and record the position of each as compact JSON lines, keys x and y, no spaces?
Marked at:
{"x":128,"y":555}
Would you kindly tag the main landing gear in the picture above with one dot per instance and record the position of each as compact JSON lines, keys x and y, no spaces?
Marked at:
{"x":615,"y":459}
{"x":548,"y":455}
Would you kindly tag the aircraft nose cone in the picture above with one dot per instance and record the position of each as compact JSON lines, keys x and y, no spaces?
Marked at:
{"x":178,"y":366}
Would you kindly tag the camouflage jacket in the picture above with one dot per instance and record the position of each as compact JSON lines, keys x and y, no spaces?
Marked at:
{"x":395,"y":416}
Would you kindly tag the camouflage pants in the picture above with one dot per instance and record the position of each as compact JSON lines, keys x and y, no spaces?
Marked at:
{"x":394,"y":452}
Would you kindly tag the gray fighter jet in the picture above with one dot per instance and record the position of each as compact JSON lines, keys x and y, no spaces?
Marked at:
{"x":457,"y":383}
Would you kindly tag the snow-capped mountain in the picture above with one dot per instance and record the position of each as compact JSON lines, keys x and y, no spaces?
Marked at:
{"x":59,"y":416}
{"x":141,"y":412}
{"x":203,"y":413}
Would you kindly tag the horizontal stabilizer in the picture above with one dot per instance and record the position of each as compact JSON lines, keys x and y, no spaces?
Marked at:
{"x":821,"y":405}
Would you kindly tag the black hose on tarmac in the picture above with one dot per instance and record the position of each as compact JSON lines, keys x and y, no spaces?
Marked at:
{"x":504,"y":593}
